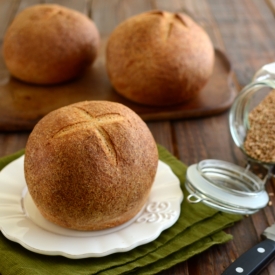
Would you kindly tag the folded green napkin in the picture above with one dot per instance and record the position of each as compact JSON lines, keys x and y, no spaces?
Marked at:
{"x":197,"y":228}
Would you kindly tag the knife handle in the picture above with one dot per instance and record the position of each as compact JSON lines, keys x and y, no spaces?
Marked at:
{"x":253,"y":260}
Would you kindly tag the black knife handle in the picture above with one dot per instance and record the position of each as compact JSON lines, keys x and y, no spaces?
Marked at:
{"x":253,"y":260}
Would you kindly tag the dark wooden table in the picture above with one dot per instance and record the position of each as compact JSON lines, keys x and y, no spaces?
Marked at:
{"x":244,"y":30}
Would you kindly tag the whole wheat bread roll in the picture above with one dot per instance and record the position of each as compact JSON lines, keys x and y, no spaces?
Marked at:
{"x":159,"y":58}
{"x":90,"y":165}
{"x":48,"y":44}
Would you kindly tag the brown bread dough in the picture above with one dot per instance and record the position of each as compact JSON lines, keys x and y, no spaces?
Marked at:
{"x":49,"y":44}
{"x":90,"y":165}
{"x":159,"y":58}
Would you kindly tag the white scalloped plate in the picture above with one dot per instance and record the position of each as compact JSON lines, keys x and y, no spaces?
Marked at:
{"x":20,"y":220}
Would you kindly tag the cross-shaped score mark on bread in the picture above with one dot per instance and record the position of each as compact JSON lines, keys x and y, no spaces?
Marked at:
{"x":96,"y":124}
{"x":171,"y":20}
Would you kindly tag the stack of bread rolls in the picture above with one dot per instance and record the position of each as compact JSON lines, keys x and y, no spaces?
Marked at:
{"x":91,"y":165}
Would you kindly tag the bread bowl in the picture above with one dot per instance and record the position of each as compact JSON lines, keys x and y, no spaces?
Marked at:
{"x":159,"y":58}
{"x":49,"y":44}
{"x":90,"y":165}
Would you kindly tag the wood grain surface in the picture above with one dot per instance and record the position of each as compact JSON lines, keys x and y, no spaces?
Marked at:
{"x":244,"y":30}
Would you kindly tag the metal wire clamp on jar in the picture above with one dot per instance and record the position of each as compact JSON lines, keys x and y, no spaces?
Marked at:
{"x":226,"y":186}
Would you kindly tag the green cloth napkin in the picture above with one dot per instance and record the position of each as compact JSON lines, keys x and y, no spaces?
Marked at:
{"x":198,"y":228}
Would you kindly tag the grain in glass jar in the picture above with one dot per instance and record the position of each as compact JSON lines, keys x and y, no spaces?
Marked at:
{"x":229,"y":187}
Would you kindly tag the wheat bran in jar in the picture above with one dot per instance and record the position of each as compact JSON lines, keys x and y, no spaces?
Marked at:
{"x":260,"y":140}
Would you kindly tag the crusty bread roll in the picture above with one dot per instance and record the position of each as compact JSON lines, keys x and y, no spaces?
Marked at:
{"x":159,"y":58}
{"x":48,"y":44}
{"x":90,"y":165}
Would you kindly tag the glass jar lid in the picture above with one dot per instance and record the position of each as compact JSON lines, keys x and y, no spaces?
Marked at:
{"x":226,"y":187}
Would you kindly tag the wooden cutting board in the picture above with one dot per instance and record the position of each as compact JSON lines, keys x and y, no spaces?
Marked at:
{"x":23,"y":105}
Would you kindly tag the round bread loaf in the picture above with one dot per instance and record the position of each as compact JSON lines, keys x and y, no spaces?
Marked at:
{"x":48,"y":44}
{"x":159,"y":58}
{"x":90,"y":165}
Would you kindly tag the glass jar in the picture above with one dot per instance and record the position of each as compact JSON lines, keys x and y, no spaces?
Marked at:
{"x":226,"y":186}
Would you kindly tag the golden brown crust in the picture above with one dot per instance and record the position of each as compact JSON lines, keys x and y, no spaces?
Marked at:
{"x":47,"y":44}
{"x":90,"y":165}
{"x":159,"y":58}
